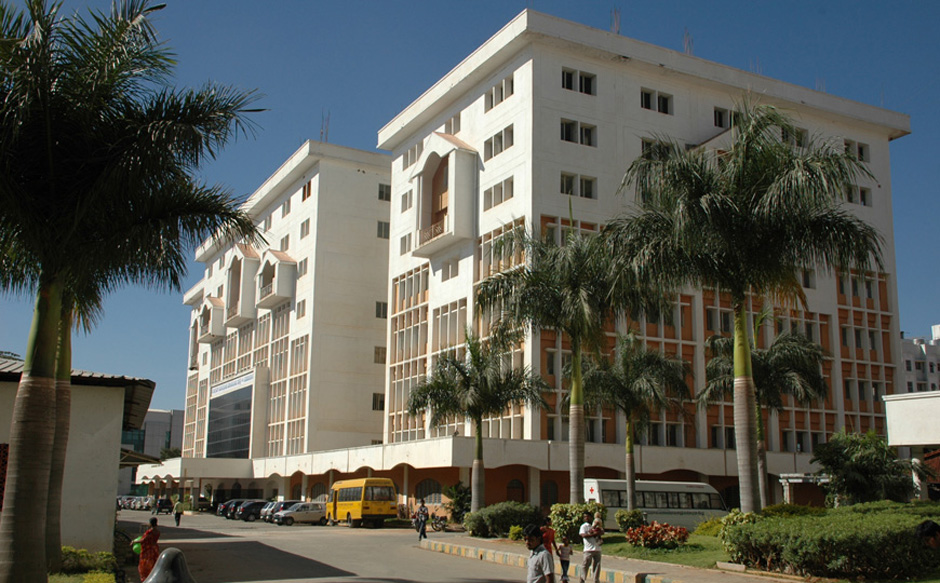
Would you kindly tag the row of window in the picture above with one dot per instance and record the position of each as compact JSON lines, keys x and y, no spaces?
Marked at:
{"x":918,"y":366}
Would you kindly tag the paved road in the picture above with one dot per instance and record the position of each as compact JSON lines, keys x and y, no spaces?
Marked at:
{"x":229,"y":551}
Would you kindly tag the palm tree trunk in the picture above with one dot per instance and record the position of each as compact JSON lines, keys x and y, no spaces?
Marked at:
{"x":576,"y":429}
{"x":745,"y":403}
{"x":631,"y":468}
{"x":22,"y":528}
{"x":477,"y":472}
{"x":762,"y":478}
{"x":63,"y":411}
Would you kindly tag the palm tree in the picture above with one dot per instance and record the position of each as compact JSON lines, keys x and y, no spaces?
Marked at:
{"x":481,"y":385}
{"x":792,"y":365}
{"x":97,"y":156}
{"x":743,"y":220}
{"x":638,"y":382}
{"x":569,"y":288}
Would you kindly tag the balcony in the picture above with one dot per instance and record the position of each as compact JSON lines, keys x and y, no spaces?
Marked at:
{"x":242,"y":272}
{"x":276,"y":279}
{"x":211,"y":327}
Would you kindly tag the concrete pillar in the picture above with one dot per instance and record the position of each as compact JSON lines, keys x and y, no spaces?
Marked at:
{"x":535,"y":487}
{"x":284,"y":489}
{"x":787,"y":491}
{"x":406,"y":487}
{"x":305,"y":488}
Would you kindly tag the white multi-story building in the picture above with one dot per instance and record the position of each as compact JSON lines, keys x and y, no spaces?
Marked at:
{"x":535,"y":129}
{"x":541,"y":121}
{"x":921,"y":363}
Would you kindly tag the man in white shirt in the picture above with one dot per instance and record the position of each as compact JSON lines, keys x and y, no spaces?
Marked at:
{"x":592,"y":548}
{"x":540,"y":567}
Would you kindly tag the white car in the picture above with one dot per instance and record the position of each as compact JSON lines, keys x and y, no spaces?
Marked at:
{"x":310,"y":512}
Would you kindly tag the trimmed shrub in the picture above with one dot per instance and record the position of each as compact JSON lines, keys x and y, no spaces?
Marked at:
{"x":496,"y":520}
{"x":81,"y":561}
{"x":98,"y":577}
{"x":515,"y":533}
{"x":627,"y":519}
{"x":870,"y":545}
{"x":710,"y":527}
{"x":566,"y":518}
{"x":788,"y":510}
{"x":733,"y":519}
{"x":657,"y":536}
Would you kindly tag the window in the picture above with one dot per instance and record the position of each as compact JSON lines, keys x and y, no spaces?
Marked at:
{"x":302,"y":268}
{"x":729,"y":438}
{"x":381,"y":310}
{"x":578,"y":133}
{"x":809,"y":278}
{"x":429,"y":490}
{"x":498,"y":93}
{"x":498,"y":143}
{"x":306,"y":192}
{"x":845,"y":336}
{"x":406,"y":201}
{"x":452,"y":126}
{"x":378,"y":401}
{"x":498,"y":193}
{"x":578,"y":185}
{"x":579,"y":81}
{"x":646,"y":99}
{"x":796,"y":137}
{"x":907,"y":365}
{"x":864,"y":196}
{"x":857,"y":149}
{"x":304,"y":228}
{"x":412,"y":155}
{"x":405,"y":244}
{"x":385,"y":192}
{"x":267,"y":222}
{"x":301,"y":309}
{"x":379,"y":355}
{"x":285,"y":243}
{"x":285,"y":208}
{"x":450,"y":269}
{"x":382,"y":230}
{"x":656,"y":100}
{"x":869,"y":289}
{"x":910,"y":386}
{"x":664,"y":104}
{"x":721,"y":117}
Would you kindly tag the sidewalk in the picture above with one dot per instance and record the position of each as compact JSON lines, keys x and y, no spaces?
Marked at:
{"x":613,"y":569}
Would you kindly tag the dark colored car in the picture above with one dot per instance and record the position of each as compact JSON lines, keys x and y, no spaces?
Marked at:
{"x":224,"y":507}
{"x":250,"y":511}
{"x":231,"y":510}
{"x":163,"y":505}
{"x":278,"y":506}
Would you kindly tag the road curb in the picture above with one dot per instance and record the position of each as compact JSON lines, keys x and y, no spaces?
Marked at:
{"x":518,"y":559}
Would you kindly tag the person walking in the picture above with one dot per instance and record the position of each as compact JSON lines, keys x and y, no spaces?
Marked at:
{"x":422,"y":516}
{"x":540,"y":568}
{"x":548,"y":537}
{"x":178,"y":510}
{"x":592,"y":548}
{"x":149,"y":549}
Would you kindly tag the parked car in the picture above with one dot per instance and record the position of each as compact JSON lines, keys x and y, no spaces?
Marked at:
{"x":310,"y":512}
{"x":231,"y":511}
{"x":266,"y":511}
{"x":277,"y":507}
{"x":201,"y":504}
{"x":163,"y":505}
{"x":250,"y":511}
{"x":226,"y":506}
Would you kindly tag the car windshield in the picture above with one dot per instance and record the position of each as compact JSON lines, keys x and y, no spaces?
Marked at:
{"x":298,"y":506}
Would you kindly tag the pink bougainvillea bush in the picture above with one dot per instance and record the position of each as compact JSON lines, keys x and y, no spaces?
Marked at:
{"x":657,"y":535}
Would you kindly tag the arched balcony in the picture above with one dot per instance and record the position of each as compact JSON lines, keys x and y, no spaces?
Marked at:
{"x":243,"y":269}
{"x":276,"y":279}
{"x":211,"y":327}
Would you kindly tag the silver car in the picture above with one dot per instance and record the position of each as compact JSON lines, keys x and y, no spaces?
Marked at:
{"x":310,"y":512}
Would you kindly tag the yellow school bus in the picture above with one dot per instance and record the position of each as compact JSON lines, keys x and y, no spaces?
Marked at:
{"x":362,"y":500}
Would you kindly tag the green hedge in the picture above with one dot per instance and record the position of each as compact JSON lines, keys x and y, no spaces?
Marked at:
{"x":82,"y":561}
{"x":566,"y":518}
{"x":787,"y":510}
{"x":868,"y":544}
{"x":498,"y":519}
{"x":627,"y":519}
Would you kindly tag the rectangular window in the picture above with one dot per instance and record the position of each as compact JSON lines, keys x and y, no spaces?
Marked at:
{"x":285,"y":243}
{"x":381,"y":310}
{"x":588,"y":186}
{"x":567,"y":79}
{"x":304,"y":228}
{"x":656,"y":101}
{"x":907,"y":365}
{"x":498,"y":193}
{"x":267,"y":222}
{"x":864,"y":197}
{"x":664,"y":103}
{"x":587,"y":83}
{"x":569,"y":130}
{"x":498,"y":143}
{"x":406,"y":201}
{"x":306,"y":192}
{"x":382,"y":230}
{"x":412,"y":155}
{"x":452,"y":126}
{"x":378,"y":401}
{"x":450,"y":269}
{"x":809,"y":278}
{"x":910,"y":386}
{"x":567,"y":183}
{"x":498,"y":93}
{"x":721,"y":117}
{"x":578,"y":133}
{"x":845,"y":336}
{"x":588,"y":135}
{"x":385,"y":192}
{"x":858,"y":338}
{"x":379,"y":355}
{"x":646,"y":99}
{"x":285,"y":208}
{"x":405,"y":244}
{"x":301,"y":309}
{"x":302,"y":268}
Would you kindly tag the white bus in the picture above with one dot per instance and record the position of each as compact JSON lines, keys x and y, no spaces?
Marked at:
{"x":675,"y":503}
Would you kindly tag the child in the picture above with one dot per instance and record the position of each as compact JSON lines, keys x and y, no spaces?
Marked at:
{"x":598,"y":527}
{"x":564,"y":555}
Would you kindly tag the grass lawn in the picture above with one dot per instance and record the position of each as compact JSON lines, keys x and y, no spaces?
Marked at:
{"x":82,"y":578}
{"x":700,"y":551}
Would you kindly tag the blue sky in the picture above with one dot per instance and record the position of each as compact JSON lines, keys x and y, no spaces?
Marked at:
{"x":361,"y":62}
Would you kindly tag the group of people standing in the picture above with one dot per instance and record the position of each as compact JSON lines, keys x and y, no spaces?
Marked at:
{"x":541,"y":541}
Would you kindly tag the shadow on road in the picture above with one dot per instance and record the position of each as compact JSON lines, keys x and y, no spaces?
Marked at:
{"x":168,"y":530}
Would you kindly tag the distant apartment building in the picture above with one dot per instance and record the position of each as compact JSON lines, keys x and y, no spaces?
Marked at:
{"x":533,"y":130}
{"x":162,"y":429}
{"x":921,"y":370}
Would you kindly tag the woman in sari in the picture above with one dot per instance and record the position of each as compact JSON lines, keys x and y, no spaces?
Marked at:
{"x":149,"y":550}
